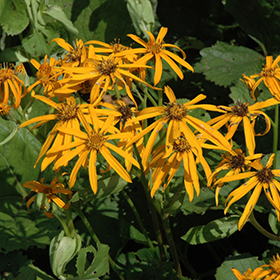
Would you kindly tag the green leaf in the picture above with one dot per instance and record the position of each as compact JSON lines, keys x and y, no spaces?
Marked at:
{"x":17,"y":158}
{"x":32,"y":272}
{"x":239,"y":262}
{"x":36,"y":45}
{"x":18,"y":230}
{"x":224,"y":64}
{"x":241,"y":93}
{"x":142,"y":16}
{"x":57,"y":13}
{"x":13,"y":17}
{"x":200,"y":204}
{"x":62,"y":250}
{"x":273,"y":222}
{"x":98,"y":267}
{"x":215,"y":230}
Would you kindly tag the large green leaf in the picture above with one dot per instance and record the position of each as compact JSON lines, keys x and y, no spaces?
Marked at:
{"x":240,"y":262}
{"x":224,"y":64}
{"x":98,"y":19}
{"x":13,"y":17}
{"x":18,"y":230}
{"x":214,"y":230}
{"x":17,"y":158}
{"x":259,"y":19}
{"x":98,"y":267}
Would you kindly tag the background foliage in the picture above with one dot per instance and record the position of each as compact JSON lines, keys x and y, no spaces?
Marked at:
{"x":222,"y":39}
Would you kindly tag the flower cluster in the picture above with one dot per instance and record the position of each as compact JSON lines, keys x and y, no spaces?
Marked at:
{"x":155,"y":141}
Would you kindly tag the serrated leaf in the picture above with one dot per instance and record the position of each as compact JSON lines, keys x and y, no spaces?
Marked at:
{"x":13,"y":18}
{"x":142,"y":16}
{"x":98,"y":267}
{"x":224,"y":64}
{"x":241,"y":93}
{"x":215,"y":230}
{"x":239,"y":262}
{"x":36,"y":45}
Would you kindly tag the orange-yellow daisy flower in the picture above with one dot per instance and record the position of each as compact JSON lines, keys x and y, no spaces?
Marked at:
{"x":182,"y":151}
{"x":236,"y":161}
{"x":10,"y":85}
{"x":262,"y":178}
{"x":90,"y":143}
{"x":66,"y":116}
{"x":270,"y":75}
{"x":273,"y":271}
{"x":125,"y":118}
{"x":248,"y":274}
{"x":178,"y":119}
{"x":246,"y":113}
{"x":101,"y":73}
{"x":50,"y":191}
{"x":156,"y":49}
{"x":4,"y":109}
{"x":76,"y":55}
{"x":47,"y":75}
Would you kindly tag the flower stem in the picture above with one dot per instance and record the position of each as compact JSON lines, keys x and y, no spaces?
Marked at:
{"x":171,"y":242}
{"x":263,"y":231}
{"x":138,"y":218}
{"x":152,"y":208}
{"x":96,"y":239}
{"x":64,"y":225}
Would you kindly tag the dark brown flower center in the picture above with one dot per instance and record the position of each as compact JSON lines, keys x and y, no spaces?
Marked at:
{"x":268,"y":72}
{"x":95,"y":141}
{"x":155,"y":48}
{"x":126,"y":112}
{"x":106,"y":67}
{"x":181,"y":144}
{"x":237,"y":161}
{"x":265,"y":175}
{"x":176,"y":111}
{"x":67,"y":111}
{"x":6,"y":72}
{"x":240,"y":109}
{"x":117,"y":47}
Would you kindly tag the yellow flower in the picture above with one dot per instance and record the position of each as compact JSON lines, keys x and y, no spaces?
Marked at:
{"x":270,"y":75}
{"x":4,"y":109}
{"x":125,"y":118}
{"x":182,"y":151}
{"x":243,"y":112}
{"x":90,"y":143}
{"x":263,"y":178}
{"x":11,"y":85}
{"x":273,"y":271}
{"x":248,"y":274}
{"x":46,"y":75}
{"x":156,"y":49}
{"x":76,"y":55}
{"x":100,"y":73}
{"x":49,"y":191}
{"x":66,"y":116}
{"x":236,"y":161}
{"x":176,"y":116}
